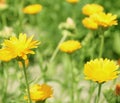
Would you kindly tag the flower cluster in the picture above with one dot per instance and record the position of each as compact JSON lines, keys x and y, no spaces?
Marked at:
{"x":17,"y":47}
{"x":101,"y":70}
{"x":70,"y":46}
{"x":40,"y":92}
{"x":97,"y":18}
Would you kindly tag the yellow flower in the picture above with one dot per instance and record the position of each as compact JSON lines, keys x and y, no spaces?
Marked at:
{"x":90,"y":9}
{"x":90,"y":23}
{"x":40,"y":92}
{"x":5,"y":55}
{"x":20,"y":47}
{"x":101,"y":70}
{"x":105,"y":20}
{"x":32,"y":9}
{"x":72,"y":1}
{"x":70,"y":46}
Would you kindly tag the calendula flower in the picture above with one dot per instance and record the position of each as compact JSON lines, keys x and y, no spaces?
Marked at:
{"x":72,"y":1}
{"x":90,"y":23}
{"x":5,"y":55}
{"x":101,"y":70}
{"x":70,"y":46}
{"x":104,"y":20}
{"x":40,"y":92}
{"x":32,"y":9}
{"x":117,"y":90}
{"x":19,"y":47}
{"x":90,"y":9}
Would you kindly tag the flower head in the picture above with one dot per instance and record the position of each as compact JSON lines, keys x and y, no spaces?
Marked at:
{"x":73,"y":1}
{"x":101,"y":70}
{"x":32,"y":9}
{"x":90,"y":23}
{"x":19,"y":47}
{"x":70,"y":46}
{"x":104,"y":20}
{"x":40,"y":92}
{"x":5,"y":55}
{"x":90,"y":9}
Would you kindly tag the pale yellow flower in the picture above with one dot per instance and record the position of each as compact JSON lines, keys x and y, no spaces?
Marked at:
{"x":70,"y":46}
{"x":90,"y":9}
{"x":101,"y":70}
{"x":40,"y":92}
{"x":32,"y":9}
{"x":20,"y":47}
{"x":72,"y":1}
{"x":104,"y":20}
{"x":90,"y":23}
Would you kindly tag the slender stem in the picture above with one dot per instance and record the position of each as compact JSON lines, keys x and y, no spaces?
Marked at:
{"x":117,"y":99}
{"x":72,"y":80}
{"x":57,"y":48}
{"x":26,"y":80}
{"x":99,"y":91}
{"x":5,"y":84}
{"x":87,"y":38}
{"x":101,"y":46}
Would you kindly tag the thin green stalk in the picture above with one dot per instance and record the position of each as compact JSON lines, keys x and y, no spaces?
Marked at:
{"x":43,"y":69}
{"x":57,"y":48}
{"x":101,"y":46}
{"x":26,"y":81}
{"x":72,"y":80}
{"x":5,"y":84}
{"x":99,"y":91}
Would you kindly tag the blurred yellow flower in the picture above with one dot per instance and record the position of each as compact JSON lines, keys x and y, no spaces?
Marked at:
{"x":101,"y":70}
{"x":20,"y":47}
{"x":40,"y":92}
{"x":72,"y":1}
{"x":32,"y":9}
{"x":90,"y":23}
{"x":70,"y":46}
{"x":5,"y":55}
{"x":105,"y":20}
{"x":90,"y":9}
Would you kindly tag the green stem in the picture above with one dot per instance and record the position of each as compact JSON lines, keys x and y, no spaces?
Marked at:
{"x":57,"y":48}
{"x":87,"y":38}
{"x":72,"y":80}
{"x":101,"y":46}
{"x":26,"y":80}
{"x":99,"y":91}
{"x":5,"y":84}
{"x":117,"y":101}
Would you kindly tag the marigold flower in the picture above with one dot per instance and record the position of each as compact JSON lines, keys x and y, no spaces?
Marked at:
{"x":20,"y":47}
{"x":70,"y":46}
{"x":117,"y":90}
{"x":5,"y":55}
{"x":72,"y":1}
{"x":32,"y":9}
{"x":104,"y":20}
{"x":101,"y":70}
{"x":40,"y":92}
{"x":90,"y":23}
{"x":90,"y":9}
